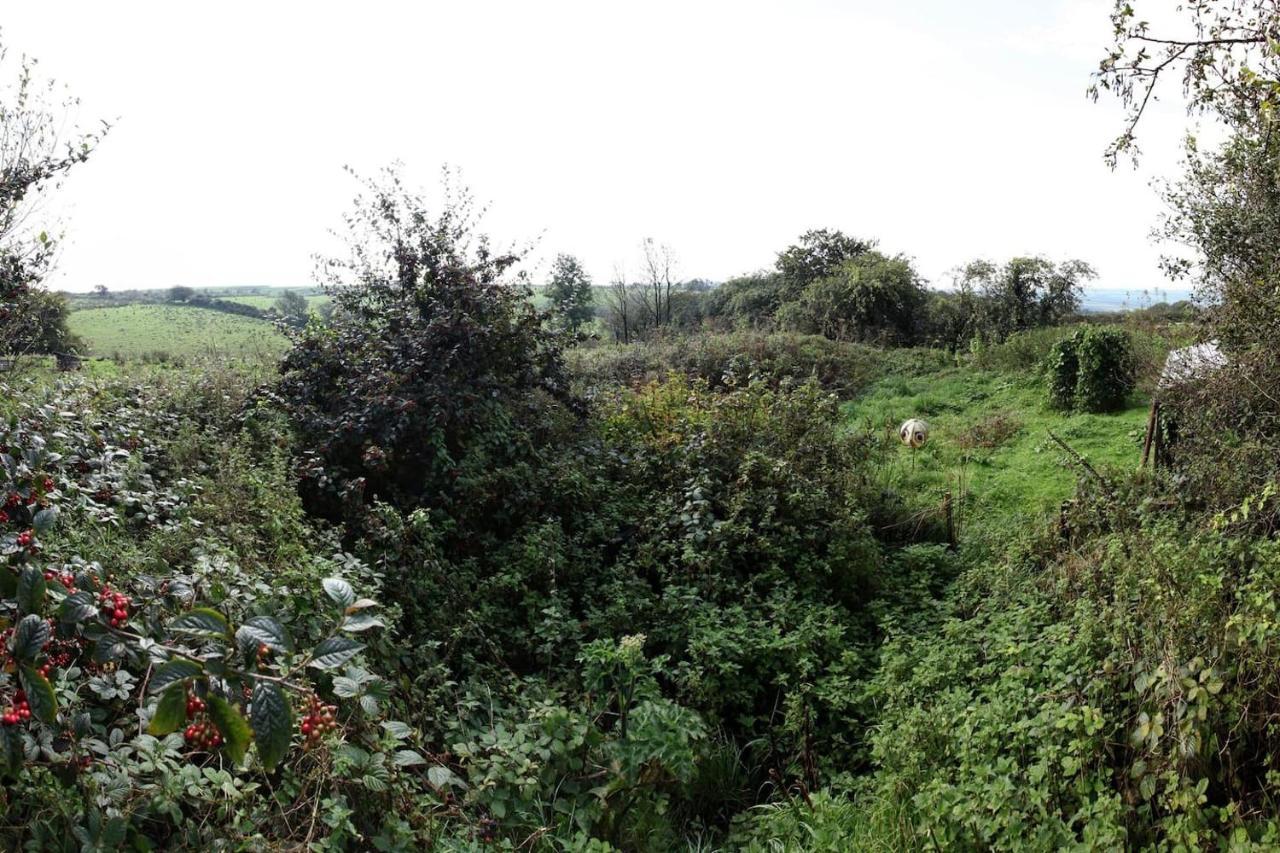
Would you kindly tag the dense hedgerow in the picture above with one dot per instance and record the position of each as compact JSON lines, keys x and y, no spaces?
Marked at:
{"x":841,"y":367}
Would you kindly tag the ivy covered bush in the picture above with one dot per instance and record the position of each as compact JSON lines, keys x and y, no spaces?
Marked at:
{"x":1091,"y":371}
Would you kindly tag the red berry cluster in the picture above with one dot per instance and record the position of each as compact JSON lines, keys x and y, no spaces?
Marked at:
{"x":58,"y":654}
{"x":203,"y":735}
{"x":200,"y":734}
{"x":24,"y":538}
{"x":488,"y":830}
{"x":318,"y":720}
{"x":67,"y":579}
{"x":12,"y":501}
{"x":47,"y":484}
{"x":18,"y":712}
{"x":115,"y":606}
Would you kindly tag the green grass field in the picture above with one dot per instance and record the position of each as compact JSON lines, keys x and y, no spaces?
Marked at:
{"x":158,"y":331}
{"x":989,"y":443}
{"x":314,"y":300}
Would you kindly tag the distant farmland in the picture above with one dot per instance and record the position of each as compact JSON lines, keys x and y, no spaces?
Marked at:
{"x":159,"y":331}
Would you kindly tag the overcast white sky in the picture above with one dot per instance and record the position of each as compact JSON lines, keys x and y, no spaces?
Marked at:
{"x":947,"y":130}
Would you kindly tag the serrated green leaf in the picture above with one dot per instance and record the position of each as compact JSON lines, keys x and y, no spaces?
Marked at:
{"x":397,"y":729}
{"x":361,"y":604}
{"x":236,"y":733}
{"x":31,"y":588}
{"x":345,"y":688}
{"x":334,"y":652}
{"x":340,"y":591}
{"x":44,"y":704}
{"x":172,"y":672}
{"x":202,"y":622}
{"x":264,"y":630}
{"x":272,"y":722}
{"x":361,"y":622}
{"x":171,"y":711}
{"x":407,"y":758}
{"x":30,"y":637}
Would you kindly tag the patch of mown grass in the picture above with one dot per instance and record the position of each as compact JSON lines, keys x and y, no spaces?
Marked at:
{"x":989,"y":444}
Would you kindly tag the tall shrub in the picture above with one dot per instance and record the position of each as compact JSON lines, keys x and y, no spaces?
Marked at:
{"x":435,"y":383}
{"x":1091,"y":371}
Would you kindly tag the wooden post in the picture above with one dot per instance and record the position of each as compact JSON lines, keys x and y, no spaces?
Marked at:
{"x":1157,"y":443}
{"x":1153,"y":421}
{"x":951,"y":526}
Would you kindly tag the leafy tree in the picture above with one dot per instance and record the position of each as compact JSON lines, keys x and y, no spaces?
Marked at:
{"x":1223,"y":52}
{"x":817,"y":254}
{"x":569,"y":291}
{"x":181,"y":293}
{"x":36,"y":152}
{"x":292,"y":306}
{"x":870,"y":298}
{"x":1024,"y":293}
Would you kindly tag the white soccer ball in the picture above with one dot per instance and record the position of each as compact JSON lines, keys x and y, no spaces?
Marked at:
{"x":914,"y":432}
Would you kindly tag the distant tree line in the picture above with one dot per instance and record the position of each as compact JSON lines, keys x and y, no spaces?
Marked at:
{"x":831,"y":284}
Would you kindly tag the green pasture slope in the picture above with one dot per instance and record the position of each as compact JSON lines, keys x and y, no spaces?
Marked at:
{"x":158,"y":331}
{"x":989,"y":443}
{"x":314,"y":300}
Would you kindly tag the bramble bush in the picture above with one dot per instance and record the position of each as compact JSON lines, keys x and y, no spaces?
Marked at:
{"x":148,"y":703}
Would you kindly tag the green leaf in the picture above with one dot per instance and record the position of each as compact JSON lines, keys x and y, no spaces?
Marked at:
{"x":407,"y":758}
{"x":236,"y":733}
{"x":345,"y":688}
{"x":171,"y":711}
{"x":11,"y":753}
{"x":202,"y":622}
{"x":44,"y":704}
{"x":167,"y":674}
{"x":340,"y":591}
{"x":397,"y":729}
{"x":8,"y":583}
{"x":30,"y":637}
{"x":77,"y":607}
{"x":108,"y":649}
{"x":264,"y":630}
{"x":31,"y":588}
{"x":44,"y":519}
{"x":272,"y":722}
{"x":440,"y":776}
{"x":334,"y":652}
{"x":361,"y":622}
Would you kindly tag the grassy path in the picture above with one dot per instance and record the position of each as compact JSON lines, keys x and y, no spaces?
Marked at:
{"x":989,"y":443}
